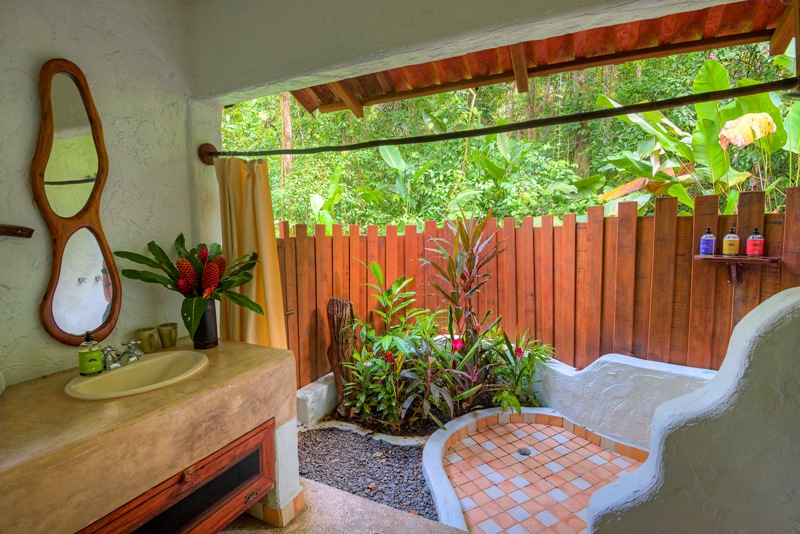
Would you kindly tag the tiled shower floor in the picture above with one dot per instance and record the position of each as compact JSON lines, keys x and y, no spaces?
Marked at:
{"x":502,"y":490}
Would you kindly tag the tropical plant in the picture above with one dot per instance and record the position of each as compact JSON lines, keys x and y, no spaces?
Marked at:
{"x":674,"y":162}
{"x":513,"y":376}
{"x":462,"y":275}
{"x":198,"y":274}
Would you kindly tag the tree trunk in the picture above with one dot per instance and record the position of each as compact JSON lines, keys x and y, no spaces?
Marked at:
{"x":343,"y":344}
{"x":286,"y":141}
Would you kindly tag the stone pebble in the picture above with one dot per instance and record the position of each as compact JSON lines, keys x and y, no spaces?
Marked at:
{"x":370,"y":468}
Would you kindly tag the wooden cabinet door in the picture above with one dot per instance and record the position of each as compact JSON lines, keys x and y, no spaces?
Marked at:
{"x":205,"y":496}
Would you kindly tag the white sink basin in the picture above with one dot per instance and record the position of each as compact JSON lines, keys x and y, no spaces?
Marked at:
{"x":152,"y":372}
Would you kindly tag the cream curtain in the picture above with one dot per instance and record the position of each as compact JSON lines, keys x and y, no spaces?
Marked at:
{"x":248,"y":226}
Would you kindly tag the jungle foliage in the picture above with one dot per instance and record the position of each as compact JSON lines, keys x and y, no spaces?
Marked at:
{"x":553,"y":170}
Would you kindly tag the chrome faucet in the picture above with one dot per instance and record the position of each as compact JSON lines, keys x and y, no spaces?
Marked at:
{"x":113,"y":359}
{"x":132,"y":353}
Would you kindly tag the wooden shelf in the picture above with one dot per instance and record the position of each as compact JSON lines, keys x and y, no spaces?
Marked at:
{"x":735,"y":262}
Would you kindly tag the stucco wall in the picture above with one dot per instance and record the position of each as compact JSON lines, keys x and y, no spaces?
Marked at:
{"x":723,"y":458}
{"x":134,"y":56}
{"x":616,"y":395}
{"x":280,"y":46}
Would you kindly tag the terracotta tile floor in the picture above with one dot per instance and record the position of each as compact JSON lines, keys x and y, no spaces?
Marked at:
{"x":502,"y":490}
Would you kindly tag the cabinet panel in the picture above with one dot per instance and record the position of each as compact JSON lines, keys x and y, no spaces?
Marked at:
{"x":205,"y":496}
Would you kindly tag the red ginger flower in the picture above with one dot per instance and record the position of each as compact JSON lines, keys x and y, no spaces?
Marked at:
{"x":220,"y":261}
{"x":388,"y":357}
{"x":203,"y":255}
{"x":187,"y":276}
{"x":211,"y":278}
{"x":458,"y":344}
{"x":519,"y":352}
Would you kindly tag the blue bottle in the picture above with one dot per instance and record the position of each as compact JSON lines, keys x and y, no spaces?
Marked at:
{"x":708,"y":243}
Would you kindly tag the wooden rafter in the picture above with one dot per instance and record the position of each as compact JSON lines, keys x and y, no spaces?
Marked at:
{"x":546,"y":70}
{"x":348,"y":98}
{"x":784,"y":32}
{"x":517,"y":53}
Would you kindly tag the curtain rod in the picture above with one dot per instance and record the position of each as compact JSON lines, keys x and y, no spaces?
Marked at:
{"x":207,"y":151}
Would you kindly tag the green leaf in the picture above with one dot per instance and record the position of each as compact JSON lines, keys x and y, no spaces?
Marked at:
{"x":707,"y":149}
{"x":730,"y":205}
{"x":161,"y":257}
{"x":147,"y":276}
{"x":245,"y":302}
{"x":192,"y":310}
{"x":711,"y":77}
{"x":679,"y":191}
{"x":180,"y":246}
{"x":792,"y":126}
{"x":391,"y":155}
{"x":137,"y":258}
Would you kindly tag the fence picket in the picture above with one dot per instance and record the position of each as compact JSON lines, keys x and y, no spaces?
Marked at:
{"x":593,"y":307}
{"x":750,"y":216}
{"x":323,"y":249}
{"x":544,"y":322}
{"x":564,"y":278}
{"x":609,"y":296}
{"x":702,"y":285}
{"x":625,"y":280}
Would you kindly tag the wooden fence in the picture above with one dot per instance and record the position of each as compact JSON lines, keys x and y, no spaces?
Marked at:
{"x":624,"y":284}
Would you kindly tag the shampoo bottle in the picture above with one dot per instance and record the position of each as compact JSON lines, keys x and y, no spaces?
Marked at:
{"x":708,"y":243}
{"x":755,"y":244}
{"x":90,"y":356}
{"x":730,"y":243}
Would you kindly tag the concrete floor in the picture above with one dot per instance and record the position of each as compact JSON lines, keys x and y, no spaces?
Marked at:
{"x":332,"y":511}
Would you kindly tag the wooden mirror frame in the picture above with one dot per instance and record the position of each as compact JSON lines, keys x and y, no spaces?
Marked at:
{"x":62,"y":228}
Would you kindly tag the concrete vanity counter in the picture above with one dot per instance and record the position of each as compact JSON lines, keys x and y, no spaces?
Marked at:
{"x":65,"y":463}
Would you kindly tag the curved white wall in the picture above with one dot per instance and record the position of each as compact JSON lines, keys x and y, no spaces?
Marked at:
{"x":724,"y":458}
{"x":616,"y":395}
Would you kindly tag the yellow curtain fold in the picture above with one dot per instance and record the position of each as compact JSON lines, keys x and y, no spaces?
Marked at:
{"x":248,"y":226}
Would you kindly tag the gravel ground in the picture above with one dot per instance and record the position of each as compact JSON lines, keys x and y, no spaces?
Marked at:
{"x":370,"y":468}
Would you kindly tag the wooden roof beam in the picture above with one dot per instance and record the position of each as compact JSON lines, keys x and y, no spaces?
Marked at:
{"x":517,"y":53}
{"x":784,"y":31}
{"x":346,"y":95}
{"x":546,"y":70}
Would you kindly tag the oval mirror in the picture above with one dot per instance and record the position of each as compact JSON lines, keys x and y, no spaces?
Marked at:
{"x":72,"y":169}
{"x":82,"y":299}
{"x":68,"y":172}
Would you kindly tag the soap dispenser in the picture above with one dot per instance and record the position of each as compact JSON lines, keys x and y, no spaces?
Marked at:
{"x":90,"y":356}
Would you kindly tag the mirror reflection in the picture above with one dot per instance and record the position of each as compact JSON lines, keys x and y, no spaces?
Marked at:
{"x":82,"y":299}
{"x":72,"y":168}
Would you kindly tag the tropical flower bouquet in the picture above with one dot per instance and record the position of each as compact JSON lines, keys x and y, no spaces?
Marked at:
{"x":200,"y":274}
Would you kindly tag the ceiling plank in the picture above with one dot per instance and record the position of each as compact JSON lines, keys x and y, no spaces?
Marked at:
{"x":583,"y":63}
{"x":385,"y":82}
{"x":784,"y":32}
{"x":517,"y":53}
{"x":349,"y":99}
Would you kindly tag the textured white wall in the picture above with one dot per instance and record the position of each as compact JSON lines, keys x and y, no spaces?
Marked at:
{"x":616,"y":395}
{"x":724,"y":458}
{"x":134,"y":56}
{"x":243,"y":48}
